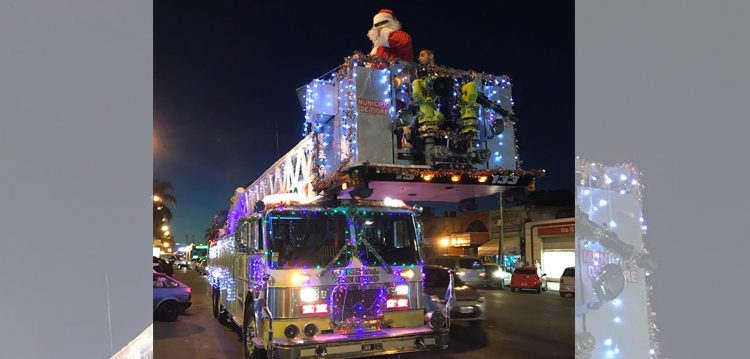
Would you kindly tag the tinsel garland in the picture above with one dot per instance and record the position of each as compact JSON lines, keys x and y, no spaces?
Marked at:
{"x":597,"y":175}
{"x":320,"y":185}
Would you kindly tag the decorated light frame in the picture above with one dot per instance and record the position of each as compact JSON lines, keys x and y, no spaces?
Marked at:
{"x":619,"y":180}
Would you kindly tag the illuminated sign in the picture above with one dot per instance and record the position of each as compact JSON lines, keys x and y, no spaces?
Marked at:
{"x":594,"y":260}
{"x":375,"y":107}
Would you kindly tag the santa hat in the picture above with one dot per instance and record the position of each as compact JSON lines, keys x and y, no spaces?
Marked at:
{"x":382,"y":15}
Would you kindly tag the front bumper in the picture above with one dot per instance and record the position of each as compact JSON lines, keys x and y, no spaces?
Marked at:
{"x":473,"y":310}
{"x":382,"y":342}
{"x":567,"y":288}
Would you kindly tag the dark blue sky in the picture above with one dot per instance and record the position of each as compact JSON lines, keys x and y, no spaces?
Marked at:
{"x":225,"y":75}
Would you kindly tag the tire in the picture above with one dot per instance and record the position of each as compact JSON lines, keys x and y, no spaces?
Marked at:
{"x":539,"y":290}
{"x":223,"y":317}
{"x":501,"y":286}
{"x":248,"y":332}
{"x":215,"y":300}
{"x":168,"y":311}
{"x":562,"y":294}
{"x":512,"y":289}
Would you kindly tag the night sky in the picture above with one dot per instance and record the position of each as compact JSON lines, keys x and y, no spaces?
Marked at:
{"x":225,"y":75}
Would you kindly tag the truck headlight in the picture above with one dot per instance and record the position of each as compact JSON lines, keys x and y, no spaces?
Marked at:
{"x":308,"y":295}
{"x":402,"y":290}
{"x":497,"y":274}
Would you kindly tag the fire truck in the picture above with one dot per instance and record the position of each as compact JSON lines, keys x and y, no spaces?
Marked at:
{"x":321,"y":256}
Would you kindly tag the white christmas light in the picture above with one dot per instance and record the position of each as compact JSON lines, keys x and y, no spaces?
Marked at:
{"x":608,"y":342}
{"x":602,"y":202}
{"x":612,"y":224}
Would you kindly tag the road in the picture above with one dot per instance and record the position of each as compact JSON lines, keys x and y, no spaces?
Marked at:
{"x":519,"y":325}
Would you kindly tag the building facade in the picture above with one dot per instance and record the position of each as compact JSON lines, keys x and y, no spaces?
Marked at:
{"x":539,"y":232}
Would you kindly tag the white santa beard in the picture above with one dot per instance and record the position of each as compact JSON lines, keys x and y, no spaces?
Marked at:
{"x":374,"y":34}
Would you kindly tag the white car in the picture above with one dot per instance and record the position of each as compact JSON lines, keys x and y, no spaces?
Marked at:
{"x":469,"y":269}
{"x":467,"y":304}
{"x":568,"y":282}
{"x":496,"y":276}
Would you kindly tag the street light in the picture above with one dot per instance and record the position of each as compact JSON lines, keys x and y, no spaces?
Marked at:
{"x":157,"y":198}
{"x":445,"y":242}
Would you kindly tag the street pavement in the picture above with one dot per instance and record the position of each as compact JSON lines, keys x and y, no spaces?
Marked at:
{"x":519,"y":325}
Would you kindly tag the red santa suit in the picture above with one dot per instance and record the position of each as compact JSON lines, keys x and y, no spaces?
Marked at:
{"x":393,"y":43}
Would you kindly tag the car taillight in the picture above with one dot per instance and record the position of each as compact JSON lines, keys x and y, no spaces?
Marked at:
{"x":397,"y":303}
{"x":314,"y":308}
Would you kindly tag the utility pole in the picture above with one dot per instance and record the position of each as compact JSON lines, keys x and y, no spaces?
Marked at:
{"x":502,"y":232}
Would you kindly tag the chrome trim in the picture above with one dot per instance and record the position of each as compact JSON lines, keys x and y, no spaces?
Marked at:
{"x":449,"y":298}
{"x":267,"y":312}
{"x":339,"y":347}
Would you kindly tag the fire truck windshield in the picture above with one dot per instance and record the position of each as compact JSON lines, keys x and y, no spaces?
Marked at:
{"x":306,"y":238}
{"x":392,"y":238}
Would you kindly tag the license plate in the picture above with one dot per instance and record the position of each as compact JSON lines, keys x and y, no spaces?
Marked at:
{"x":466,"y":310}
{"x":372,"y":347}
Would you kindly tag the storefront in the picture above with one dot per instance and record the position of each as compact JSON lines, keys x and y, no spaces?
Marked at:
{"x":551,"y":247}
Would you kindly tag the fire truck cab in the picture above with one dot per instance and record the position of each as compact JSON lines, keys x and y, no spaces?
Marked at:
{"x":335,"y":282}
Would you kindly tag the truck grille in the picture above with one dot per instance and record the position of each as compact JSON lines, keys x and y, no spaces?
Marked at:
{"x":357,"y":307}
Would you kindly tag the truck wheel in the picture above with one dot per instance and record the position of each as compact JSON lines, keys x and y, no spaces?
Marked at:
{"x":249,"y":331}
{"x":215,"y":300}
{"x":168,"y":311}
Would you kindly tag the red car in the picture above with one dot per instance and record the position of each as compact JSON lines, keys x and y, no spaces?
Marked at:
{"x":527,"y":278}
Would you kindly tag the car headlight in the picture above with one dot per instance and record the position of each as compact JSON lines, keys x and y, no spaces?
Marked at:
{"x":497,"y":274}
{"x":480,"y":299}
{"x":437,"y":299}
{"x":460,"y":273}
{"x":308,"y":294}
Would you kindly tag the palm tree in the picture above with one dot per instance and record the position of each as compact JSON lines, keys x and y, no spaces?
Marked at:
{"x":161,"y":201}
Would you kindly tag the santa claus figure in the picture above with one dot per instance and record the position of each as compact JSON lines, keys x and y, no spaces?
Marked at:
{"x":388,"y":40}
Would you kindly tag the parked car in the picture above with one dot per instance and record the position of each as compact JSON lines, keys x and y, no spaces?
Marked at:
{"x":568,"y":282}
{"x":171,"y":297}
{"x":182,"y":263}
{"x":467,"y":304}
{"x":496,"y":276}
{"x":528,"y":278}
{"x":468,"y":269}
